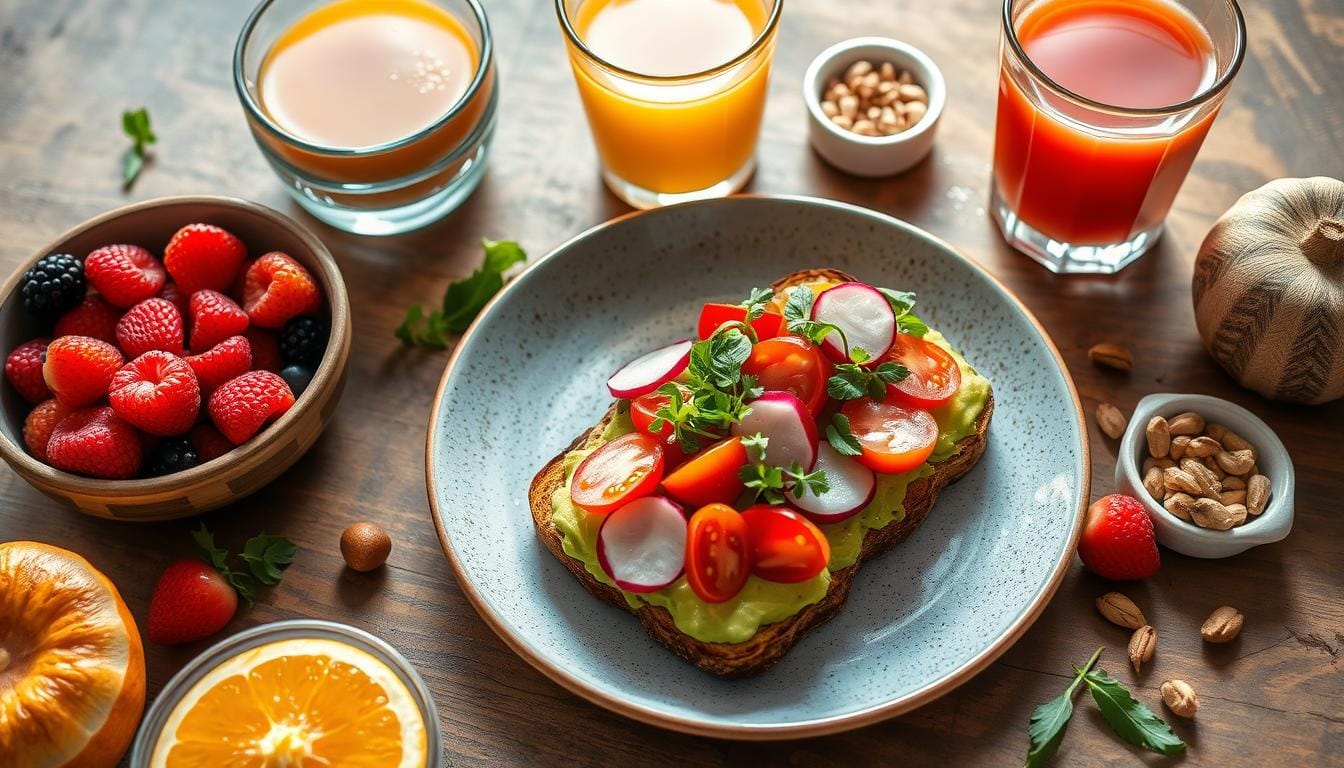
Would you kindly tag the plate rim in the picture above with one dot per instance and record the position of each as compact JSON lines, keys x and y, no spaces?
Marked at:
{"x":802,"y":728}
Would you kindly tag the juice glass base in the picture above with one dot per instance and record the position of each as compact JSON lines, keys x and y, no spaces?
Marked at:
{"x":645,"y":199}
{"x":1063,"y":257}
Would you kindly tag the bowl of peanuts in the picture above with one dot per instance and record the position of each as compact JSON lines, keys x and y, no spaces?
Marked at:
{"x":873,"y":105}
{"x":1215,"y":479}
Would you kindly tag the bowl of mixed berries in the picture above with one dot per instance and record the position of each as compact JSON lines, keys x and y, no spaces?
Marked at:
{"x":170,"y":357}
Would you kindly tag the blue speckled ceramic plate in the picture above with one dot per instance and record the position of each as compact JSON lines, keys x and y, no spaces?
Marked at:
{"x":920,"y":620}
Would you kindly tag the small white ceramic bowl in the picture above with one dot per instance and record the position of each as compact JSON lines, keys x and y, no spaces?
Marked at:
{"x":872,"y":156}
{"x":1187,"y":538}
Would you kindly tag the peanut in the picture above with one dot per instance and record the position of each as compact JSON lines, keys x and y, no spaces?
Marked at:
{"x":1180,"y":504}
{"x":1210,"y":513}
{"x":1179,"y":445}
{"x":1188,"y":423}
{"x":1152,"y":481}
{"x":1159,"y":437}
{"x":1141,"y":646}
{"x":1233,"y":483}
{"x":1112,"y":356}
{"x":1199,"y":447}
{"x":1178,"y":479}
{"x":1209,"y":484}
{"x":1237,"y":462}
{"x":1111,"y":420}
{"x":1223,"y":625}
{"x":1150,"y":462}
{"x":1232,"y":497}
{"x":1257,"y":494}
{"x":874,"y":99}
{"x":1120,"y":610}
{"x":1180,"y":698}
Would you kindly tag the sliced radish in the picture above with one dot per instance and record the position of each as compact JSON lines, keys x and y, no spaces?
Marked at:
{"x":642,"y":545}
{"x":649,"y":372}
{"x":852,"y":487}
{"x":785,"y":420}
{"x":863,"y":313}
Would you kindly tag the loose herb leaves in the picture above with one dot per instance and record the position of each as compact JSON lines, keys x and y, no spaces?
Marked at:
{"x":770,"y":483}
{"x":1046,"y":729}
{"x":135,"y":124}
{"x":265,"y":555}
{"x":841,"y":437}
{"x":462,"y":300}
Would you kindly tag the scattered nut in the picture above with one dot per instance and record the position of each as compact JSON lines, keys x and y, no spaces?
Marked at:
{"x":1141,"y":646}
{"x":1188,"y":423}
{"x":1180,"y":698}
{"x":1111,"y":420}
{"x":1180,"y":504}
{"x":1208,"y":513}
{"x":1257,"y":494}
{"x":874,"y":99}
{"x":1199,"y":447}
{"x":1236,"y":462}
{"x":1120,"y":610}
{"x":365,"y":546}
{"x":1112,"y":356}
{"x":1159,"y":437}
{"x":1223,"y":625}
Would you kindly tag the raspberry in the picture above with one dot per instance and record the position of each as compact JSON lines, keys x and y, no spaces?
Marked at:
{"x":151,"y":324}
{"x":303,"y":341}
{"x":124,"y":274}
{"x":209,"y":443}
{"x":78,"y":369}
{"x":202,"y":256}
{"x":94,"y":317}
{"x":214,"y":318}
{"x":38,"y":426}
{"x":97,"y":443}
{"x":169,"y":456}
{"x":226,"y":360}
{"x":156,"y":392}
{"x":265,"y":350}
{"x":52,"y":286}
{"x":278,"y":288}
{"x":242,"y":406}
{"x":181,"y":301}
{"x":23,"y":368}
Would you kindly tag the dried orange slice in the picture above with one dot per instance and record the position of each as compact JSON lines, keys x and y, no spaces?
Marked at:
{"x":295,"y":703}
{"x":72,"y":670}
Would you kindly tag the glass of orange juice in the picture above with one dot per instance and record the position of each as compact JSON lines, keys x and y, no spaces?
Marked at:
{"x":674,"y":91}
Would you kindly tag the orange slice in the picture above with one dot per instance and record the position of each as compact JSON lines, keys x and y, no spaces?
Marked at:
{"x":295,"y":703}
{"x":72,"y":670}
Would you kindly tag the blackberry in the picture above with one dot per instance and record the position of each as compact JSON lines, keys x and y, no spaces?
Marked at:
{"x":297,"y":377}
{"x":303,"y":341}
{"x":53,"y":286}
{"x":171,"y":455}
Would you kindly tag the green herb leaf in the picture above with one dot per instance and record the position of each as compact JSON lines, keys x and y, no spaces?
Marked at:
{"x":859,"y":355}
{"x":763,"y":481}
{"x":799,"y":306}
{"x":911,"y":325}
{"x":802,"y":482}
{"x":462,"y":300}
{"x":756,"y":301}
{"x":1046,"y":729}
{"x":267,"y":555}
{"x":218,"y":557}
{"x":756,"y":445}
{"x":1130,"y":718}
{"x":135,"y":124}
{"x":848,"y":383}
{"x":901,"y":301}
{"x":890,"y":373}
{"x":841,"y":437}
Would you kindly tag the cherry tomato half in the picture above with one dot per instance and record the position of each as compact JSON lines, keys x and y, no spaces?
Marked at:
{"x":766,"y":326}
{"x":623,"y":470}
{"x":791,"y":364}
{"x":709,"y":476}
{"x":934,"y":376}
{"x":718,"y":560}
{"x":643,"y":412}
{"x":785,"y":546}
{"x":894,"y":438}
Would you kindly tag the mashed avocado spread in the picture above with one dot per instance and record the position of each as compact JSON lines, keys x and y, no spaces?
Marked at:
{"x":763,"y":602}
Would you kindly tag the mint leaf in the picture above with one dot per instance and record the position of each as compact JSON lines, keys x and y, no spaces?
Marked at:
{"x":1130,"y":718}
{"x":135,"y":124}
{"x":799,"y":306}
{"x":841,"y":436}
{"x":462,"y":300}
{"x":1046,"y":729}
{"x":890,"y":373}
{"x":267,"y":555}
{"x":756,"y":301}
{"x":218,"y":557}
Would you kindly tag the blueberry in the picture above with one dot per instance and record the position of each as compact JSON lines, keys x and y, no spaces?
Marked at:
{"x":297,"y":377}
{"x":171,"y":455}
{"x":303,"y":341}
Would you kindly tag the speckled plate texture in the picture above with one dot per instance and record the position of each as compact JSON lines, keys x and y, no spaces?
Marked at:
{"x":530,"y":375}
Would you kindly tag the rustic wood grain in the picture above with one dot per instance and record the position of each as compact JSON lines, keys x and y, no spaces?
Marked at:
{"x":1272,"y":697}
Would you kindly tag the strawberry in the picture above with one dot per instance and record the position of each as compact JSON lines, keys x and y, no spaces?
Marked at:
{"x":265,"y":350}
{"x":209,"y":443}
{"x":226,"y":360}
{"x":152,"y":324}
{"x":124,"y":274}
{"x":1117,"y":540}
{"x":156,"y":392}
{"x":78,"y":369}
{"x":41,"y":421}
{"x":94,"y":317}
{"x":214,"y":318}
{"x":278,"y":288}
{"x":191,"y":601}
{"x":97,"y":443}
{"x":202,"y":256}
{"x":23,"y":368}
{"x":241,"y":407}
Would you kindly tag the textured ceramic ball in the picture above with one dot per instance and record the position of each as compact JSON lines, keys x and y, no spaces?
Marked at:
{"x":1269,"y":290}
{"x":365,"y":546}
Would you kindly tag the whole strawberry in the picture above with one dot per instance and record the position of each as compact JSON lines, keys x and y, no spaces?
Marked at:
{"x":124,"y":274}
{"x":277,"y":288}
{"x":96,"y":442}
{"x":79,"y":368}
{"x":156,"y":392}
{"x":152,"y":324}
{"x":227,"y":360}
{"x":201,"y":256}
{"x":39,"y":425}
{"x":94,"y":318}
{"x":23,"y":368}
{"x":214,"y":318}
{"x":1117,"y":540}
{"x":241,"y":407}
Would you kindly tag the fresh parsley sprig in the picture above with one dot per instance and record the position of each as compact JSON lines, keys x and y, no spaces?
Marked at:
{"x":770,"y":483}
{"x":135,"y":124}
{"x":841,"y":436}
{"x":851,"y":381}
{"x":463,"y":299}
{"x":265,"y":556}
{"x":901,"y":303}
{"x":798,"y":319}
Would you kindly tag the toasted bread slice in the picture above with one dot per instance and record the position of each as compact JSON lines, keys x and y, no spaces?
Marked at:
{"x":771,"y":641}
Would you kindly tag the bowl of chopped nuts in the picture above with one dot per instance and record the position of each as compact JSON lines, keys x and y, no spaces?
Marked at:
{"x":1215,"y":479}
{"x":873,"y":105}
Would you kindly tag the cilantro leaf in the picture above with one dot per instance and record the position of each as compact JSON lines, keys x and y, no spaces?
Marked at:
{"x":814,"y":482}
{"x":1046,"y":729}
{"x":841,"y":437}
{"x":901,"y":301}
{"x":755,"y":446}
{"x":718,"y":360}
{"x":1129,"y":718}
{"x":763,"y":481}
{"x":756,"y":301}
{"x":267,"y":555}
{"x":911,"y":325}
{"x":462,"y":300}
{"x":135,"y":124}
{"x":848,"y":383}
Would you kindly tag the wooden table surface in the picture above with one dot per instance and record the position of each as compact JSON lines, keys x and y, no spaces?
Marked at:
{"x":1273,"y":697}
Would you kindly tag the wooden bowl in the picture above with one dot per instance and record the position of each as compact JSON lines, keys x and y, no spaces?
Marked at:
{"x":246,"y":468}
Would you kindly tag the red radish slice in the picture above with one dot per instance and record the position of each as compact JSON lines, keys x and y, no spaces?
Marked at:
{"x":863,"y":313}
{"x":852,"y":487}
{"x":785,"y":420}
{"x":649,"y":372}
{"x":642,"y":545}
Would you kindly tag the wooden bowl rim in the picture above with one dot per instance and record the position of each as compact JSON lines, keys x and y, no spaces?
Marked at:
{"x":326,"y":375}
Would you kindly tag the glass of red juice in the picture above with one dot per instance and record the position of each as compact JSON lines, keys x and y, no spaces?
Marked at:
{"x":1103,"y":105}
